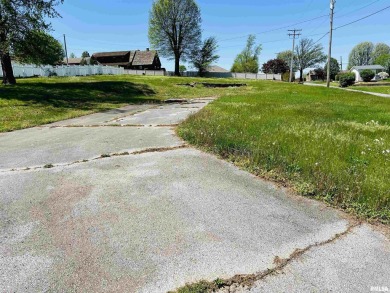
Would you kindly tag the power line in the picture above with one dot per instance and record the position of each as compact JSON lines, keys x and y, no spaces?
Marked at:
{"x":276,"y":29}
{"x":352,"y":22}
{"x":358,"y":9}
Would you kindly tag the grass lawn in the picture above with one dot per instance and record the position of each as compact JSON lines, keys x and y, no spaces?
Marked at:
{"x":37,"y":101}
{"x":325,"y":143}
{"x":374,"y":89}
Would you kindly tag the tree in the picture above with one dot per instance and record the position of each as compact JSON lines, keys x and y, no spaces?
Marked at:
{"x":174,"y":29}
{"x":321,"y":73}
{"x":380,"y":49}
{"x":275,"y":66}
{"x":361,"y":54}
{"x":334,"y":68}
{"x":203,"y":56}
{"x":286,"y":56}
{"x":72,"y":55}
{"x":85,"y":54}
{"x":18,"y":18}
{"x":308,"y":54}
{"x":384,"y":60}
{"x":248,"y":59}
{"x":182,"y":69}
{"x":38,"y":48}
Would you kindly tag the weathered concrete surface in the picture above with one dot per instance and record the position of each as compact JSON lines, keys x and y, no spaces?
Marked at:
{"x":359,"y":262}
{"x":105,"y":117}
{"x":153,"y":221}
{"x":165,"y":114}
{"x":40,"y":146}
{"x":150,"y":222}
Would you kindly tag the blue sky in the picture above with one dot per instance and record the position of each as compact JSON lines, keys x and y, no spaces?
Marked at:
{"x":97,"y":25}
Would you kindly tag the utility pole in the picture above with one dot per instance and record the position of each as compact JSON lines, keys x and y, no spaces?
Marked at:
{"x":332,"y":3}
{"x":294,"y":35}
{"x":341,"y":63}
{"x":66,"y":51}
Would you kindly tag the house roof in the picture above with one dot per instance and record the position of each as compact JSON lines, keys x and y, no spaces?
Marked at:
{"x":111,"y":54}
{"x":372,"y":67}
{"x":73,"y":60}
{"x":216,"y":68}
{"x":144,"y":57}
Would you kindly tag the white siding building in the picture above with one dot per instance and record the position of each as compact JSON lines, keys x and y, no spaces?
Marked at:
{"x":375,"y":68}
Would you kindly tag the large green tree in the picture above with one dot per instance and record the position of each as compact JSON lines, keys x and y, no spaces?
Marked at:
{"x":174,"y":29}
{"x":38,"y":48}
{"x":308,"y":54}
{"x":334,"y":68}
{"x":286,"y":56}
{"x":361,"y":54}
{"x":384,"y":60}
{"x":380,"y":49}
{"x":203,"y":56}
{"x":18,"y":18}
{"x":248,"y":59}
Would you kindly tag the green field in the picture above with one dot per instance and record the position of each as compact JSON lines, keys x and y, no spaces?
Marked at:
{"x":325,"y":143}
{"x":37,"y":101}
{"x":373,"y":89}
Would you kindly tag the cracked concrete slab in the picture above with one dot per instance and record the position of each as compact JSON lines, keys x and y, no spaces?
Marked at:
{"x":40,"y":146}
{"x":170,"y":114}
{"x":356,"y":263}
{"x":104,"y":117}
{"x":151,"y":222}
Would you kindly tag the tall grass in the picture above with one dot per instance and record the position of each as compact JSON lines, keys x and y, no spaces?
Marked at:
{"x":324,"y":143}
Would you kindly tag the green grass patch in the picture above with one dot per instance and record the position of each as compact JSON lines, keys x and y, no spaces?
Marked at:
{"x":37,"y":101}
{"x":373,"y":89}
{"x":325,"y":143}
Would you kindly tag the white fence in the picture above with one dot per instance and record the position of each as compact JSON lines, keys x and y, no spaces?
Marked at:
{"x":258,"y":76}
{"x":145,"y":72}
{"x":29,"y":70}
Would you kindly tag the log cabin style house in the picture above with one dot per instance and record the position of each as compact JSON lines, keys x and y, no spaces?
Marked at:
{"x":147,"y":59}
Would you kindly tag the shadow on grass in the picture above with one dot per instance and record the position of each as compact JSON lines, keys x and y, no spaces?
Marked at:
{"x":80,"y":95}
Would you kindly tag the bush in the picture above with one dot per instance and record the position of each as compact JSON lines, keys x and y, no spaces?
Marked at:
{"x":346,"y":79}
{"x":336,"y":78}
{"x":367,"y":75}
{"x":286,"y":76}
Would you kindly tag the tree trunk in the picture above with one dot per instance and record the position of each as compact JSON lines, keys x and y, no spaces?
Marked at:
{"x":177,"y":65}
{"x":300,"y":74}
{"x":8,"y":73}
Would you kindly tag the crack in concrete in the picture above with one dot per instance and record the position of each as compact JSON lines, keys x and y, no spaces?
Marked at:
{"x":95,"y":125}
{"x":246,"y":281}
{"x":102,"y":156}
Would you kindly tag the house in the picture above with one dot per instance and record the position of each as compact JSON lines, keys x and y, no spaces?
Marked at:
{"x":375,"y":68}
{"x":75,"y":61}
{"x":312,"y":76}
{"x":137,"y":59}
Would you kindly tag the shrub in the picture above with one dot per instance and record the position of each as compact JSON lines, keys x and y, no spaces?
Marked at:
{"x":346,"y":79}
{"x":286,"y":76}
{"x":336,"y":77}
{"x":367,"y":75}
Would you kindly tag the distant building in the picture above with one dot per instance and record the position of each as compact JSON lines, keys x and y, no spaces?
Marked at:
{"x":374,"y":68}
{"x":216,"y":68}
{"x":147,"y":59}
{"x":76,"y":61}
{"x":312,"y":76}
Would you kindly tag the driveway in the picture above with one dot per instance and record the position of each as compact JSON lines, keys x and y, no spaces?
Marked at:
{"x":116,"y":202}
